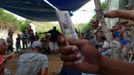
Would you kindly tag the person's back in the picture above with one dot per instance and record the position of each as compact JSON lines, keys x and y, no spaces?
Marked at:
{"x":31,"y":64}
{"x":53,"y":34}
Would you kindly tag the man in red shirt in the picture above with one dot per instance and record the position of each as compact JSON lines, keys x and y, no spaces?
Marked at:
{"x":30,"y":34}
{"x":29,"y":30}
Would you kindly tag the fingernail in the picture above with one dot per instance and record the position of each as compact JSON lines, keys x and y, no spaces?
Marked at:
{"x":61,"y":40}
{"x":78,"y":55}
{"x":74,"y":48}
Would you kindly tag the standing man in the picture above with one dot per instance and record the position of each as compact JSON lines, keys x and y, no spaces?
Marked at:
{"x":10,"y":42}
{"x":53,"y":39}
{"x":30,"y":35}
{"x":18,"y":45}
{"x":24,"y":38}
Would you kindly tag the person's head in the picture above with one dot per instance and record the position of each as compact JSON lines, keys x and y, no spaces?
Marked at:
{"x":29,"y":26}
{"x":10,"y":34}
{"x":3,"y":46}
{"x":36,"y":33}
{"x":95,"y":23}
{"x":24,"y":32}
{"x":54,"y":28}
{"x":37,"y":46}
{"x":117,"y":34}
{"x":18,"y":35}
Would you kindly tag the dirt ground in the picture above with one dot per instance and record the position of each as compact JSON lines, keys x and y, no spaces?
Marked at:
{"x":55,"y":64}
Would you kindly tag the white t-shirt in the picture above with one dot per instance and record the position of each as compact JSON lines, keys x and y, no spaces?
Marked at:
{"x":105,"y":44}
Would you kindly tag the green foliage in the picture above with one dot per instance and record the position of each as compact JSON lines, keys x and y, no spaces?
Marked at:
{"x":8,"y":20}
{"x":45,"y":26}
{"x":42,"y":27}
{"x":24,"y":25}
{"x":104,"y":5}
{"x":88,"y":26}
{"x":81,"y":27}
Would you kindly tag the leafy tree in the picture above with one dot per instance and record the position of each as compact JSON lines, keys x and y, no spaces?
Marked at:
{"x":9,"y":21}
{"x":86,"y":28}
{"x":24,"y":25}
{"x":104,"y":4}
{"x":45,"y":26}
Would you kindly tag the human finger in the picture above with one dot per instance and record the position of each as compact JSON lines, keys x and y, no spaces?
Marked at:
{"x":72,"y":57}
{"x":61,"y":41}
{"x":79,"y":43}
{"x":65,"y":50}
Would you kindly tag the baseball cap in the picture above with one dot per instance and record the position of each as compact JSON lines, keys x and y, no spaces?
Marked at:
{"x":37,"y":44}
{"x":124,"y":41}
{"x":117,"y":34}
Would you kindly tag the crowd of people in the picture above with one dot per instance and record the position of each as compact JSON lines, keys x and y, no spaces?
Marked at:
{"x":99,"y":55}
{"x":35,"y":62}
{"x":121,"y":45}
{"x":97,"y":49}
{"x":27,"y":37}
{"x":121,"y":35}
{"x":25,"y":40}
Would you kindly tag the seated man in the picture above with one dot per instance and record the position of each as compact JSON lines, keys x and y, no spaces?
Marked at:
{"x":33,"y":63}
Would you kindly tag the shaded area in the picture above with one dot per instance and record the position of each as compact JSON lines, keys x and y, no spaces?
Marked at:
{"x":39,"y":10}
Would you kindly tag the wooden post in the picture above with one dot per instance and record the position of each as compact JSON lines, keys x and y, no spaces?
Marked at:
{"x":100,"y":15}
{"x":115,"y":49}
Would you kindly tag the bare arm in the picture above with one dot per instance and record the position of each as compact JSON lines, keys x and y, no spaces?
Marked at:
{"x":9,"y":56}
{"x":126,"y":14}
{"x":93,"y":61}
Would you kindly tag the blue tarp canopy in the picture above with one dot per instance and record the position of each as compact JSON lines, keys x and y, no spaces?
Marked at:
{"x":71,"y":5}
{"x":39,"y":10}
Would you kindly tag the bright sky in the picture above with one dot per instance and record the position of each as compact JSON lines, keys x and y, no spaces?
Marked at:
{"x":81,"y":16}
{"x":84,"y":14}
